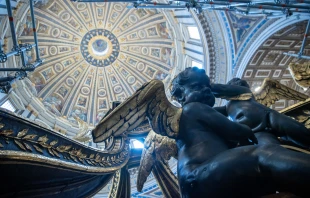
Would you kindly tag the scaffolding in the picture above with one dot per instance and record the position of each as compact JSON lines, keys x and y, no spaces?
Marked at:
{"x":267,"y":8}
{"x":18,"y":50}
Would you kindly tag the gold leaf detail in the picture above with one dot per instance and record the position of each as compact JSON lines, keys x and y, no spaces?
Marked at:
{"x":38,"y":148}
{"x":22,"y":133}
{"x":74,"y":158}
{"x":6,"y":132}
{"x":51,"y":152}
{"x":30,"y":137}
{"x":55,"y":152}
{"x":97,"y":159}
{"x":27,"y":146}
{"x":81,"y":160}
{"x":54,"y":142}
{"x":43,"y":139}
{"x":89,"y":162}
{"x":20,"y":145}
{"x":45,"y":145}
{"x":1,"y":125}
{"x":68,"y":147}
{"x":79,"y":153}
{"x":60,"y":148}
{"x":63,"y":148}
{"x":92,"y":156}
{"x":1,"y":145}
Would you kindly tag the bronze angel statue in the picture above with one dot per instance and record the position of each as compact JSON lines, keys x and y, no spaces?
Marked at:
{"x":217,"y":157}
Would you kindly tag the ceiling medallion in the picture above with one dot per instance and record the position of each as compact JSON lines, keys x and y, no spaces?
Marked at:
{"x":99,"y":47}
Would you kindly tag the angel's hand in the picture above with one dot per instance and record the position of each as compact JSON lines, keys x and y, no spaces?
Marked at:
{"x":230,"y":91}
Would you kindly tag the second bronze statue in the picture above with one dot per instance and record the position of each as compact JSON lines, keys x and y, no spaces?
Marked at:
{"x":210,"y":164}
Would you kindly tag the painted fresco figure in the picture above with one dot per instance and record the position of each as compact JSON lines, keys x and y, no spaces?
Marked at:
{"x":267,"y":123}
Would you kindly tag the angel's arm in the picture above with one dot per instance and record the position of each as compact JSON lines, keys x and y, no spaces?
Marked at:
{"x":227,"y":129}
{"x":221,"y":90}
{"x":289,"y":129}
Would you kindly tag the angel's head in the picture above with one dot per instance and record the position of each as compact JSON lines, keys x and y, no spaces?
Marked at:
{"x":239,"y":82}
{"x":192,"y":85}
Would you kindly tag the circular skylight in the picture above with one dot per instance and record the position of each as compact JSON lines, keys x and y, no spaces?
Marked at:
{"x":100,"y":47}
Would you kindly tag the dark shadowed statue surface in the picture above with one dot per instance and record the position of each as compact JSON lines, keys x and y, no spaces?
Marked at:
{"x":209,"y":163}
{"x":267,"y":123}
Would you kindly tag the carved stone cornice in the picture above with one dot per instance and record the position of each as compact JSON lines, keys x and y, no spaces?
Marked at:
{"x":211,"y":47}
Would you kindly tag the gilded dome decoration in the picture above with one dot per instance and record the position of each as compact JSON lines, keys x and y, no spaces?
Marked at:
{"x":96,"y":53}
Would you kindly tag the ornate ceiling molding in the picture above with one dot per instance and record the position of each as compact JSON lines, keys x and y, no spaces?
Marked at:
{"x":220,"y":50}
{"x":261,"y":36}
{"x":208,"y":36}
{"x":141,"y":45}
{"x":269,"y":60}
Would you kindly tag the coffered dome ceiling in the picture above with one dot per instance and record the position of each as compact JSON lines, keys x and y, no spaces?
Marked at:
{"x":96,"y":53}
{"x":269,"y":61}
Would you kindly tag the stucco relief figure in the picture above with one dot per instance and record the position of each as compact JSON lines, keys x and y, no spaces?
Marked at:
{"x":301,"y":73}
{"x":267,"y":124}
{"x":208,"y":164}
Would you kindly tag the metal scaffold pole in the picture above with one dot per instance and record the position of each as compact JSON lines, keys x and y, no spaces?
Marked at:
{"x":34,"y":30}
{"x":18,"y":50}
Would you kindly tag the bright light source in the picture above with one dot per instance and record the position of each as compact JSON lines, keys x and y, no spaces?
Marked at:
{"x":196,"y":64}
{"x":305,"y":89}
{"x":137,"y":144}
{"x":8,"y":105}
{"x":256,"y":89}
{"x":193,"y":32}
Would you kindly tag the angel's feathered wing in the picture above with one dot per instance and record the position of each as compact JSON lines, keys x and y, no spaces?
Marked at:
{"x":150,"y":102}
{"x":156,"y":147}
{"x":272,"y":91}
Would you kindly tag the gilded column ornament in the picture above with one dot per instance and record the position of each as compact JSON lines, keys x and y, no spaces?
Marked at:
{"x":121,"y":184}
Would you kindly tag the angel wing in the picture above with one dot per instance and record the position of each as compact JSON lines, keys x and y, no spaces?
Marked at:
{"x":272,"y":91}
{"x":156,"y":147}
{"x":150,"y":102}
{"x":83,"y":134}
